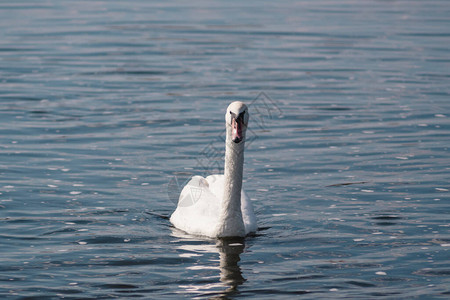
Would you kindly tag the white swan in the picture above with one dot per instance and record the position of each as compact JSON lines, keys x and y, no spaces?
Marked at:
{"x":216,"y":206}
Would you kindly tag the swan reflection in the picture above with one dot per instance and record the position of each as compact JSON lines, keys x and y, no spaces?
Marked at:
{"x":229,"y":253}
{"x":227,"y":267}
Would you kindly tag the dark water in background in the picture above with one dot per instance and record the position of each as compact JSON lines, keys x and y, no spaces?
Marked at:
{"x":105,"y":103}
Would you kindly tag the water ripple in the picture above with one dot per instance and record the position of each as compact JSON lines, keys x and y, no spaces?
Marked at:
{"x":103,"y":103}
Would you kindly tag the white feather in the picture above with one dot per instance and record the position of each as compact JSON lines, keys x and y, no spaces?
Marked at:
{"x":217,"y":206}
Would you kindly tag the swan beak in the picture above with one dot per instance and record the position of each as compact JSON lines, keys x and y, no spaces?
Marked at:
{"x":236,"y":133}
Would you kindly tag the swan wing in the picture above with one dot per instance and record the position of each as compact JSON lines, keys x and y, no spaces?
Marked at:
{"x":198,"y":208}
{"x":216,"y":185}
{"x":248,"y":215}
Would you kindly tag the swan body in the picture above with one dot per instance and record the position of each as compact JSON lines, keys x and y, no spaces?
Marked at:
{"x":217,"y":206}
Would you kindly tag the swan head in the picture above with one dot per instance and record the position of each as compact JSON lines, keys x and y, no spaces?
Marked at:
{"x":237,"y":118}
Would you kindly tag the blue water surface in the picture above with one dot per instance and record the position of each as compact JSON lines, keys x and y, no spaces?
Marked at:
{"x":107,"y":107}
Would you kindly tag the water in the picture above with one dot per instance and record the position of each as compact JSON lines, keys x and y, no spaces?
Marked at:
{"x":106,"y":106}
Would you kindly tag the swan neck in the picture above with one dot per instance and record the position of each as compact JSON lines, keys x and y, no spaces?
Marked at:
{"x":234,"y":167}
{"x":231,"y":222}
